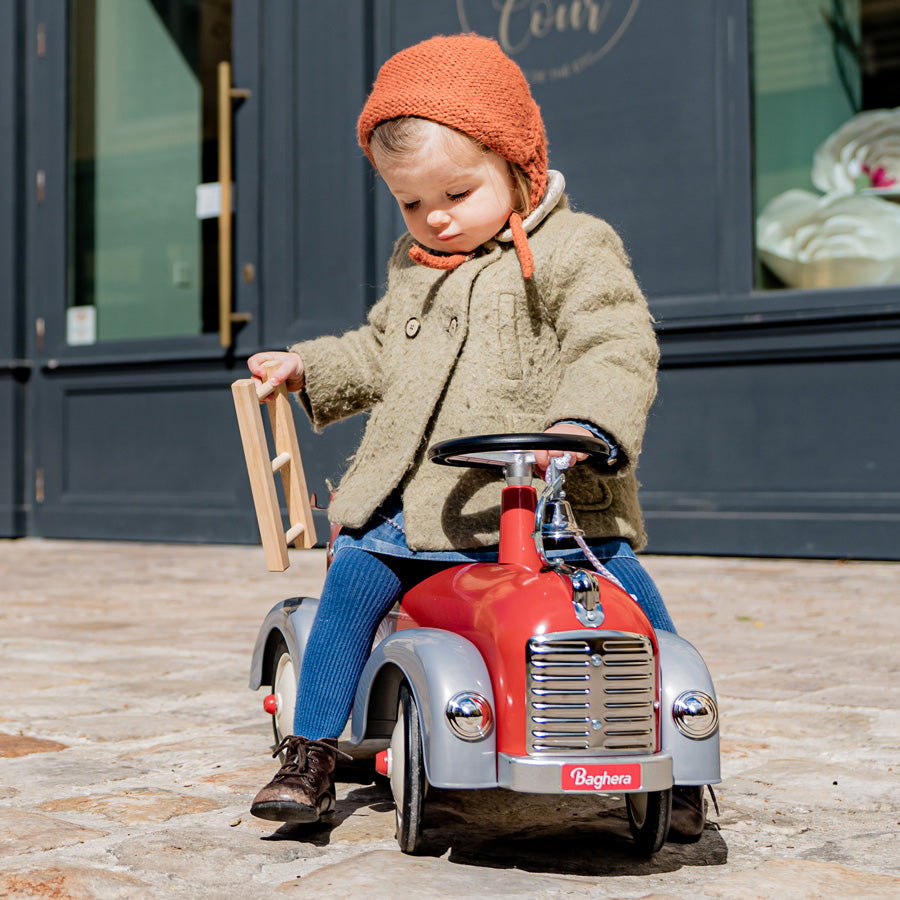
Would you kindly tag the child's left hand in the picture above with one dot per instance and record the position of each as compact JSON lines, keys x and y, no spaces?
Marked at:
{"x":542,"y":457}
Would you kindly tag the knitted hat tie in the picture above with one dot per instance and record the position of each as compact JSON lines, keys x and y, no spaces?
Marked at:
{"x":418,"y":254}
{"x":526,"y":260}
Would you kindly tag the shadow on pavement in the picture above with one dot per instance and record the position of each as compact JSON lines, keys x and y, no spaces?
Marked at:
{"x":597,"y":853}
{"x":542,"y":834}
{"x":550,"y":835}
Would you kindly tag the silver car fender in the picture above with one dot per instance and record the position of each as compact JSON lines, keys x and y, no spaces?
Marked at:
{"x":681,"y":668}
{"x":292,"y":620}
{"x":437,"y":665}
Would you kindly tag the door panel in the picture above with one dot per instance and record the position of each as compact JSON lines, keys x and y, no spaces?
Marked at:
{"x":150,"y":456}
{"x":133,"y":432}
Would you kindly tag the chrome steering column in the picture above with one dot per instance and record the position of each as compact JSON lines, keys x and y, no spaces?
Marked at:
{"x":555,"y":521}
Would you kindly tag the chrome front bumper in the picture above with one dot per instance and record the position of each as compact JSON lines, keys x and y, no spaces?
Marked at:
{"x":584,"y":774}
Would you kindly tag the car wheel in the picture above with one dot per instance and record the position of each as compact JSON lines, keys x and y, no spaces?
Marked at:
{"x":284,"y":687}
{"x":408,"y":783}
{"x":688,"y":814}
{"x":648,"y":819}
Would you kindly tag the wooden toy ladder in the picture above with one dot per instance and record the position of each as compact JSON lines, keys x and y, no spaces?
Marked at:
{"x":261,"y":468}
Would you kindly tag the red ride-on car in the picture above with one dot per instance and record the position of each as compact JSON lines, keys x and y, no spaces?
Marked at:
{"x":526,"y":673}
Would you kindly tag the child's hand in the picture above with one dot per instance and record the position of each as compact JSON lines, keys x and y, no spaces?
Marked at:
{"x":277,"y":367}
{"x":542,"y":457}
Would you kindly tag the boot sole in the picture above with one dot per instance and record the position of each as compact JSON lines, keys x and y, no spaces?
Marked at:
{"x":276,"y":811}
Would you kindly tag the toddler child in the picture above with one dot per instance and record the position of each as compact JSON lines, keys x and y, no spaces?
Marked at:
{"x":504,"y":311}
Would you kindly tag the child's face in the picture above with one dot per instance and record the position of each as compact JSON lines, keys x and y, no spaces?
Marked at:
{"x":453,"y":195}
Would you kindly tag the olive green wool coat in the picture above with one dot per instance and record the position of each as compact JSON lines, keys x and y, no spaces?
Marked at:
{"x":481,"y":350}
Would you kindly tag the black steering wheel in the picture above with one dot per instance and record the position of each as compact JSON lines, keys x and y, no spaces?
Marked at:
{"x":500,"y":450}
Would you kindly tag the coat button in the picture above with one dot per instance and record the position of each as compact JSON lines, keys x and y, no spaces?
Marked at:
{"x":412,"y":327}
{"x":453,"y":325}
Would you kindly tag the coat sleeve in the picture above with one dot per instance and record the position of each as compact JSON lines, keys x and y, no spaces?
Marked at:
{"x":608,"y":348}
{"x":344,"y":374}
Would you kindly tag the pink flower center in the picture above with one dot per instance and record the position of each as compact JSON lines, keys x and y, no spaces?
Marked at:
{"x":878,"y":178}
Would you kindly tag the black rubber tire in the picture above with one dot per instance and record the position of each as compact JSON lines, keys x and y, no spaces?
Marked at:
{"x":409,"y":784}
{"x":648,"y":819}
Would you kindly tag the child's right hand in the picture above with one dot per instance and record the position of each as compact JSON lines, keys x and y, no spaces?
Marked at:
{"x":278,"y":367}
{"x":542,"y":457}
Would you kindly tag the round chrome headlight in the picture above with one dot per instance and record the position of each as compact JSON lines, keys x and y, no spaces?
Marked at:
{"x":469,"y":715}
{"x":696,"y":714}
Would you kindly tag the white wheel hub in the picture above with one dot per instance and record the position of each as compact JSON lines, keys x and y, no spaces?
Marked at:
{"x":285,"y":690}
{"x":397,"y":758}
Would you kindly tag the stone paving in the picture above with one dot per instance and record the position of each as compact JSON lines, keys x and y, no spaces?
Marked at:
{"x":130,"y":746}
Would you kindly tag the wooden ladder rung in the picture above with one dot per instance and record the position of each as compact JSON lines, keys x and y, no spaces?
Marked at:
{"x":280,"y":461}
{"x":293,"y":533}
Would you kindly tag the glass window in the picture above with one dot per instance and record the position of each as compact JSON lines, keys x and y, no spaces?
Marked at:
{"x":142,"y":138}
{"x":826,"y":77}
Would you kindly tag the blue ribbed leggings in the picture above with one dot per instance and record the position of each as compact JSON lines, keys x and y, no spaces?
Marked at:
{"x":359,"y":590}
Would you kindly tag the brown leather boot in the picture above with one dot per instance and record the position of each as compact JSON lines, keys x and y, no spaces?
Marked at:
{"x":303,"y":788}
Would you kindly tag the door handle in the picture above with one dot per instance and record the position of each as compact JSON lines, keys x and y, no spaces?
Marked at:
{"x":225,"y":95}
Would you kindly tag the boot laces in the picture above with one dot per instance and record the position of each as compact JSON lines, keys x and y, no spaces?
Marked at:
{"x":296,"y":753}
{"x":295,"y":760}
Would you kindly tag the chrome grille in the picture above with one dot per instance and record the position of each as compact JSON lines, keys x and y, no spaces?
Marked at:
{"x":591,"y":694}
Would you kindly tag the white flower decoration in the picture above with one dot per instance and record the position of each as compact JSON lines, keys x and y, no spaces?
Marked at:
{"x":863,"y":154}
{"x":834,"y":241}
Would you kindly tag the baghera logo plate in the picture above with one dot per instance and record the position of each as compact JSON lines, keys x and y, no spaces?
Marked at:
{"x":601,"y":778}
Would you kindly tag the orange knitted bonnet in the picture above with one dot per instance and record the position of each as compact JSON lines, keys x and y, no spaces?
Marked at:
{"x":467,"y":82}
